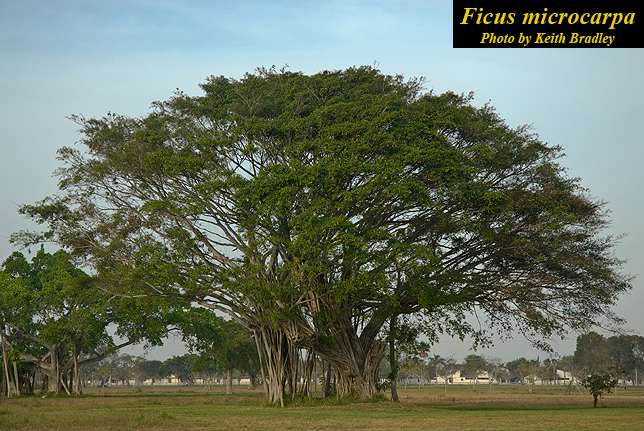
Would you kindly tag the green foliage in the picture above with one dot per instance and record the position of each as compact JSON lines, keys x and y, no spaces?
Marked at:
{"x":53,"y":300}
{"x":524,"y":370}
{"x":627,"y":351}
{"x":222,"y":345}
{"x":179,"y":366}
{"x":60,"y":318}
{"x":473,"y":365}
{"x":236,"y":349}
{"x":618,"y":355}
{"x":148,"y":369}
{"x":591,"y":353}
{"x":599,"y":384}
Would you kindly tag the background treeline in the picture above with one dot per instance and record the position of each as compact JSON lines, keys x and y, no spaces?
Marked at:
{"x":595,"y":354}
{"x":620,"y":356}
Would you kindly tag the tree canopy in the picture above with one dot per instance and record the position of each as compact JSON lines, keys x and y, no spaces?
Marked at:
{"x":312,"y":209}
{"x":598,"y":384}
{"x":596,"y":354}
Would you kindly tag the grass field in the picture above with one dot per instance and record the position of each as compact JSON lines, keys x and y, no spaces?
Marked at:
{"x":462,"y":408}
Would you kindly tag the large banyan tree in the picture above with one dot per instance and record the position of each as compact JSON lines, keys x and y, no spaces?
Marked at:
{"x":313,"y":209}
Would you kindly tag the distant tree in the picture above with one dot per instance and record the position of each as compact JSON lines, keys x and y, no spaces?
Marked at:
{"x":565,"y":363}
{"x":598,"y":384}
{"x":592,"y":353}
{"x":104,"y":371}
{"x":571,"y":369}
{"x":206,"y":368}
{"x":434,"y":362}
{"x":423,"y":354}
{"x":231,"y":345}
{"x":596,"y":354}
{"x":238,"y":351}
{"x":524,"y":370}
{"x":147,"y":369}
{"x":446,"y":367}
{"x":410,"y":366}
{"x":180,"y":367}
{"x":627,"y":351}
{"x":14,"y":307}
{"x":394,"y":365}
{"x":548,"y":371}
{"x":123,"y":368}
{"x":531,"y":369}
{"x":515,"y":369}
{"x":494,"y":369}
{"x":617,"y":372}
{"x":472,"y":367}
{"x":402,"y":338}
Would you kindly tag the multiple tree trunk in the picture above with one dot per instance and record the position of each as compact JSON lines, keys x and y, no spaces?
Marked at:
{"x":59,"y":366}
{"x":283,"y":364}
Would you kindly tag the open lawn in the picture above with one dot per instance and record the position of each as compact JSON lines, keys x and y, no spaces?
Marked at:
{"x":462,"y":408}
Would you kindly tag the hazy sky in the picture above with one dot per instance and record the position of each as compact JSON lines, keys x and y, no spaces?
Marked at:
{"x":88,"y":57}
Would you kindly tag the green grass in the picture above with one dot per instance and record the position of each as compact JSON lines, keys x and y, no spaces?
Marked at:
{"x":462,"y":408}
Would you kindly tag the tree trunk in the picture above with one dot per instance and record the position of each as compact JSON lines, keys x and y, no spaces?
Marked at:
{"x":77,"y":386}
{"x":315,"y":377}
{"x":3,"y":388}
{"x":16,"y":379}
{"x":52,"y":369}
{"x":327,"y":380}
{"x":29,"y":383}
{"x":260,"y":353}
{"x":229,"y":382}
{"x":394,"y":391}
{"x":307,"y":374}
{"x":62,"y":381}
{"x":252,"y":376}
{"x":393,"y":360}
{"x":5,"y":363}
{"x":355,"y":359}
{"x":357,"y":370}
{"x":275,"y":355}
{"x":290,"y":369}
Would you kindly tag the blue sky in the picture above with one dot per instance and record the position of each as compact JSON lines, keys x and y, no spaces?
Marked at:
{"x":87,"y":57}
